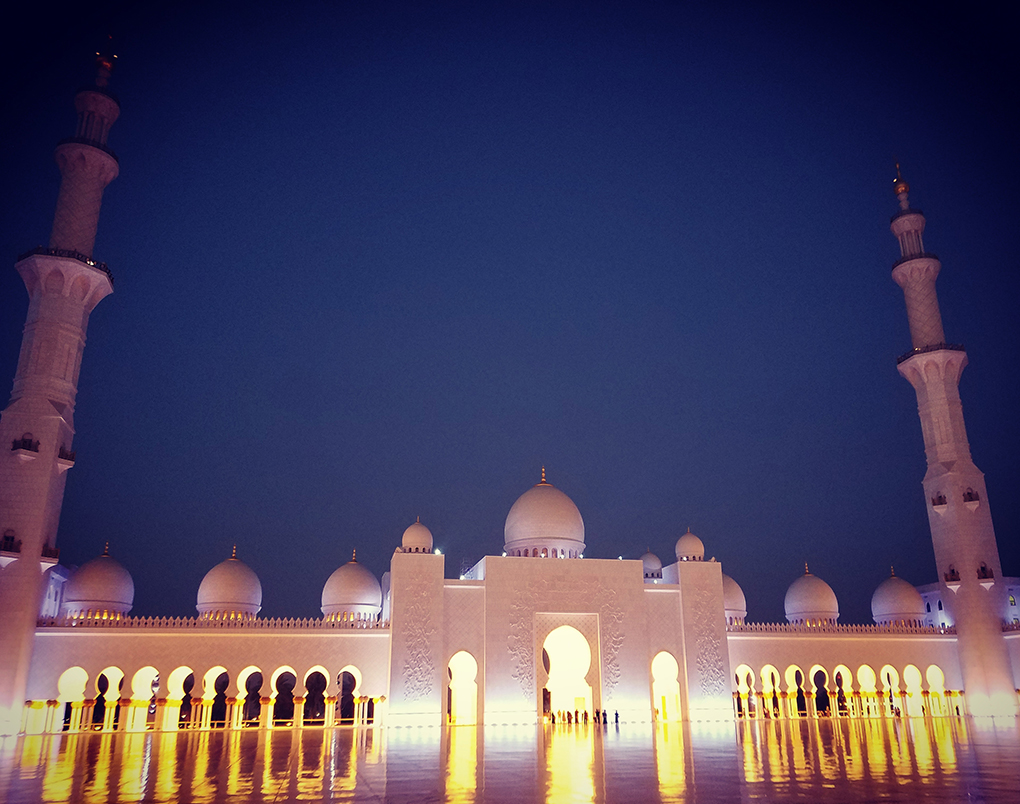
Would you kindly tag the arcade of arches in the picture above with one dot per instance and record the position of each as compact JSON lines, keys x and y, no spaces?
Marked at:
{"x":283,"y":698}
{"x":816,"y":691}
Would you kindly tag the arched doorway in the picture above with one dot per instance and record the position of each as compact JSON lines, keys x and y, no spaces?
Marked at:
{"x":666,"y":686}
{"x":567,"y":658}
{"x":462,"y":696}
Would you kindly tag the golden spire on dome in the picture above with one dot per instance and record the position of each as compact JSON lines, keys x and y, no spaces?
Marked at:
{"x":354,"y":554}
{"x":806,"y":570}
{"x":233,"y":552}
{"x":106,"y":549}
{"x":892,"y":571}
{"x":543,"y":481}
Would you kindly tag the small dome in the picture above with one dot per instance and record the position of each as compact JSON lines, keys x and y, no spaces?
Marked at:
{"x":417,"y":539}
{"x":100,"y":587}
{"x":352,"y":590}
{"x":810,"y":599}
{"x":546,"y":519}
{"x":652,"y":565}
{"x":230,"y":590}
{"x":690,"y":548}
{"x":733,"y":600}
{"x":896,"y":601}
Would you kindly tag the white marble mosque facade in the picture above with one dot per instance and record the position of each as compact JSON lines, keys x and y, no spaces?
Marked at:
{"x":534,"y":630}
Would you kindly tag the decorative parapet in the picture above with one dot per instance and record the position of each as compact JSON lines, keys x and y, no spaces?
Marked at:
{"x":932,"y":347}
{"x":200,"y":624}
{"x":70,"y":255}
{"x":1011,"y":626}
{"x":835,"y":628}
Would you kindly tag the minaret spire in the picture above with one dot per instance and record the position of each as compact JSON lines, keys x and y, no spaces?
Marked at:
{"x":64,"y":285}
{"x":966,"y":553}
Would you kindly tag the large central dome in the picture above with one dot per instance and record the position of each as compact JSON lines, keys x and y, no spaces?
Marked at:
{"x":544,"y":523}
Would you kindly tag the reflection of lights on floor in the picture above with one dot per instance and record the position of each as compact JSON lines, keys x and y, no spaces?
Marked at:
{"x":942,"y":759}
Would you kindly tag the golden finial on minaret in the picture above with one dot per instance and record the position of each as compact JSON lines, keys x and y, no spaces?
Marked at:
{"x":900,"y":186}
{"x":105,"y":60}
{"x":233,"y":552}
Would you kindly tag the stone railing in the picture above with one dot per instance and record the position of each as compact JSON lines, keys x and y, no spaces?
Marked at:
{"x":71,"y":255}
{"x":833,"y":628}
{"x":93,"y":143}
{"x":198,"y":623}
{"x":1011,"y":626}
{"x":932,"y":347}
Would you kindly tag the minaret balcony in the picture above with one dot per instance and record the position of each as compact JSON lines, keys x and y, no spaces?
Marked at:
{"x":25,"y":448}
{"x":939,"y":503}
{"x":952,"y":579}
{"x":65,"y":459}
{"x":933,"y":347}
{"x":10,"y":548}
{"x":921,"y":255}
{"x":69,"y":254}
{"x":89,"y":142}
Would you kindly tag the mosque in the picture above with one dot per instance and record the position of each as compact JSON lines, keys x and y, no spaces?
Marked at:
{"x":534,"y":631}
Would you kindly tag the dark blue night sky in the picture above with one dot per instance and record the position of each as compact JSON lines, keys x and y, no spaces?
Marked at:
{"x":376,"y":260}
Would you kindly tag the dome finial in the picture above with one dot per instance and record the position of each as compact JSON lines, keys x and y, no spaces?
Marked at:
{"x":418,"y":519}
{"x":543,"y":474}
{"x":233,"y":552}
{"x":106,"y":549}
{"x":892,"y":571}
{"x":806,"y":570}
{"x":354,"y":554}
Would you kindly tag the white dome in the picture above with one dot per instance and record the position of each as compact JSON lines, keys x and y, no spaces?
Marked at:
{"x":99,"y":587}
{"x":690,"y":548}
{"x":544,"y":519}
{"x":351,"y":590}
{"x":895,"y":600}
{"x":652,"y":565}
{"x":733,"y":600}
{"x":417,"y":539}
{"x":810,"y":599}
{"x":230,"y":590}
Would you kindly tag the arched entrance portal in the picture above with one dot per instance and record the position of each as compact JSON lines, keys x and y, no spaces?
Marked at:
{"x":567,"y":659}
{"x":462,"y":700}
{"x":665,"y":686}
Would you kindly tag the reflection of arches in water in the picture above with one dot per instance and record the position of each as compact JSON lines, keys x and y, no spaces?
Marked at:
{"x":462,"y":695}
{"x":665,"y":686}
{"x":569,"y":659}
{"x":315,"y":699}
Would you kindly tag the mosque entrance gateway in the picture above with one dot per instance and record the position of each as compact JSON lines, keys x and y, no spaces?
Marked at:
{"x":566,"y":657}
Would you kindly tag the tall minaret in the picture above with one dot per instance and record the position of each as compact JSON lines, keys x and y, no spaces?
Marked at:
{"x":64,"y":284}
{"x":966,"y":554}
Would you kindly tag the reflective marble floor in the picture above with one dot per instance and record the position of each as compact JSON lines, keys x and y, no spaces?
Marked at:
{"x":908,"y":760}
